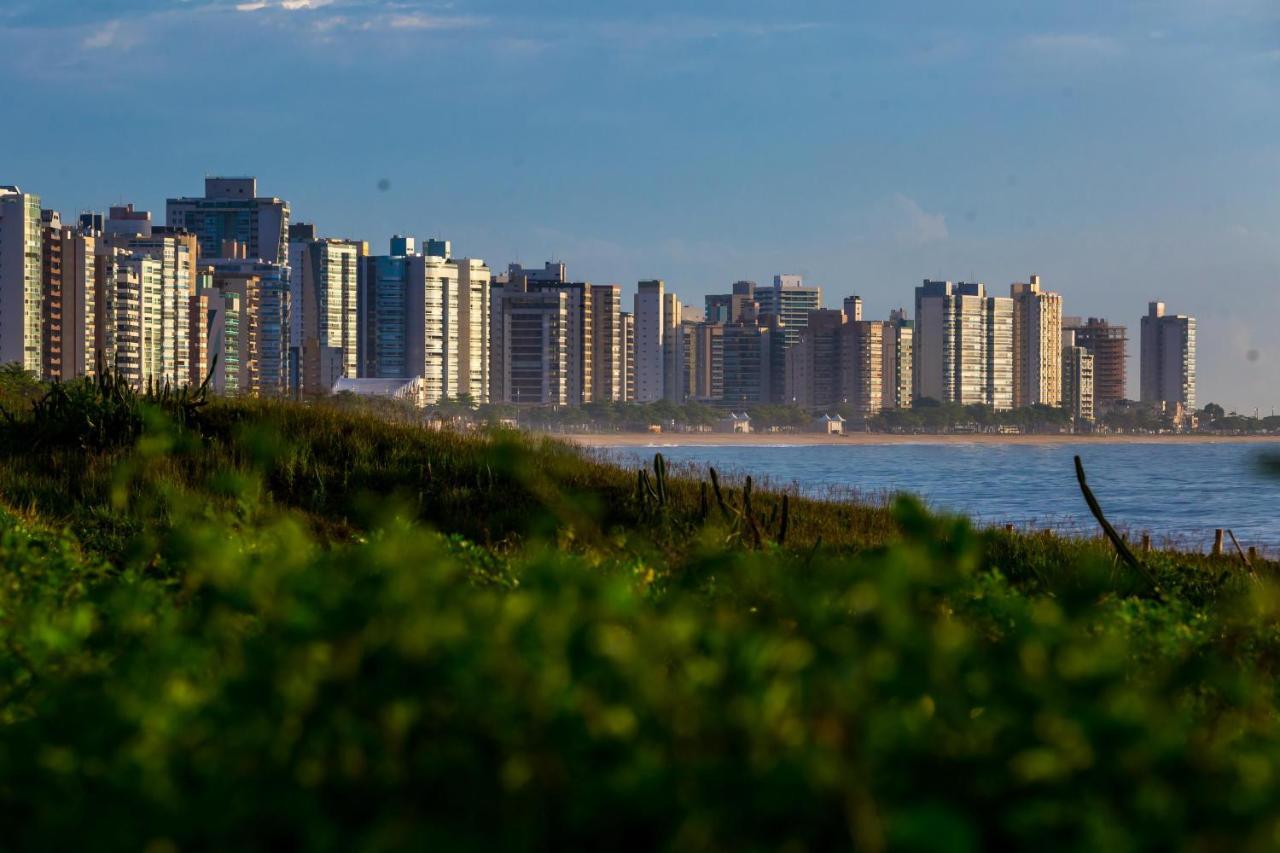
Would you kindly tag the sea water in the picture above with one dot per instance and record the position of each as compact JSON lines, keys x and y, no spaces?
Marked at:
{"x":1177,"y":491}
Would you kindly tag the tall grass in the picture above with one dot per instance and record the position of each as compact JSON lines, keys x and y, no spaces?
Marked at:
{"x":260,"y":625}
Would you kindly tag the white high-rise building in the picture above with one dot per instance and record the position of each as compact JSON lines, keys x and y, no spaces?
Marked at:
{"x":164,"y":314}
{"x":1168,"y":358}
{"x":20,"y":279}
{"x":474,"y":289}
{"x":324,"y":324}
{"x":1037,"y":345}
{"x":447,"y":313}
{"x":963,"y":345}
{"x":650,"y":330}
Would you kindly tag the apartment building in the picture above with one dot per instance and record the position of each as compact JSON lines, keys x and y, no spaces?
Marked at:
{"x":1037,"y":345}
{"x":1168,"y":358}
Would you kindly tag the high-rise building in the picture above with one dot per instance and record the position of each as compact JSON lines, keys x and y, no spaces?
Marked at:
{"x":535,"y":352}
{"x":431,"y":337}
{"x":578,"y":334}
{"x":650,"y":327}
{"x":1037,"y":345}
{"x":607,"y":346}
{"x":708,"y":345}
{"x":853,"y":308}
{"x":21,"y":291}
{"x":963,"y":345}
{"x":675,"y":351}
{"x":628,"y":322}
{"x":998,"y":321}
{"x":233,"y":221}
{"x":51,"y":286}
{"x":814,"y":364}
{"x":517,"y":279}
{"x":323,"y":317}
{"x":383,"y":295}
{"x":862,"y":361}
{"x":263,"y":293}
{"x":747,"y":356}
{"x":1078,"y":381}
{"x":218,"y":316}
{"x":69,"y":275}
{"x":138,"y":329}
{"x":896,"y":361}
{"x":427,"y":314}
{"x":1168,"y":358}
{"x":790,"y":300}
{"x":164,"y":334}
{"x":1108,"y":344}
{"x":443,"y":315}
{"x":474,"y":288}
{"x":732,"y":307}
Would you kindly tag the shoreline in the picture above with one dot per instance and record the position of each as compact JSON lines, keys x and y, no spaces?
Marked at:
{"x":872,"y":439}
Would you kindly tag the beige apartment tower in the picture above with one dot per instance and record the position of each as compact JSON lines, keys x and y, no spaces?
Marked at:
{"x":863,"y":361}
{"x":1037,"y":345}
{"x":608,"y":362}
{"x":323,"y":310}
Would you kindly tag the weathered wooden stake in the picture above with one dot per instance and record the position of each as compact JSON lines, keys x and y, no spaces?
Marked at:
{"x":1146,"y":542}
{"x":1217,"y":542}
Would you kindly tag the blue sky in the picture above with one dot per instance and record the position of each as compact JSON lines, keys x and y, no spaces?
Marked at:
{"x":1123,"y":151}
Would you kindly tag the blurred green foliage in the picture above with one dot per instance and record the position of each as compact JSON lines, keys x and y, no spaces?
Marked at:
{"x":285,"y":627}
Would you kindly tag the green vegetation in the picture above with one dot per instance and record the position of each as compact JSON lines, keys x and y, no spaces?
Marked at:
{"x":255,"y":625}
{"x":929,"y":415}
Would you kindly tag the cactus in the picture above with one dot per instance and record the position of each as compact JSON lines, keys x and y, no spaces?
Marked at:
{"x":660,"y":476}
{"x":786,"y":520}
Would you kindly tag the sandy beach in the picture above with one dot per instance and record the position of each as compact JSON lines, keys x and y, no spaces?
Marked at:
{"x":675,"y":439}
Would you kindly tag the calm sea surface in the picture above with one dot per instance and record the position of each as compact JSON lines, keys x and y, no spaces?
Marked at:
{"x":1179,"y":492}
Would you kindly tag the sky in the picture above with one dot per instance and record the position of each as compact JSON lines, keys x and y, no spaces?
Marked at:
{"x":1125,"y":152}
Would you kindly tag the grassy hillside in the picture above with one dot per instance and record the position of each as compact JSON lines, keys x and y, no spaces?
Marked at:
{"x":267,"y":626}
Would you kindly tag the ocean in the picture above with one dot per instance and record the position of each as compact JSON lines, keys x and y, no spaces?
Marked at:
{"x":1179,"y":492}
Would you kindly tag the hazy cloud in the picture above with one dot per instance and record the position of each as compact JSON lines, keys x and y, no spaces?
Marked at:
{"x":1070,"y":46}
{"x":914,"y":225}
{"x":111,"y":35}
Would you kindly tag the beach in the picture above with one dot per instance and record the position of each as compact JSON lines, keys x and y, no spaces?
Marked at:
{"x":803,"y":439}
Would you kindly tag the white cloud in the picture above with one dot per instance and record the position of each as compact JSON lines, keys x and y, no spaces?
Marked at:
{"x":295,"y":5}
{"x":254,"y":6}
{"x":111,"y":35}
{"x":1070,"y":46}
{"x":421,"y":21}
{"x":914,"y":225}
{"x":641,"y":34}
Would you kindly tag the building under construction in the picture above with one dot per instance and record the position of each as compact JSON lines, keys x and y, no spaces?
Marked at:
{"x":1107,"y":343}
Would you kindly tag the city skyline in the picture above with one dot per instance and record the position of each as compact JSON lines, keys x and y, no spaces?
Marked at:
{"x":444,"y":327}
{"x":866,"y":151}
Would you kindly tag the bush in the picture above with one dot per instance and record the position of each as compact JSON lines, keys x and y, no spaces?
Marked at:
{"x":231,"y":668}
